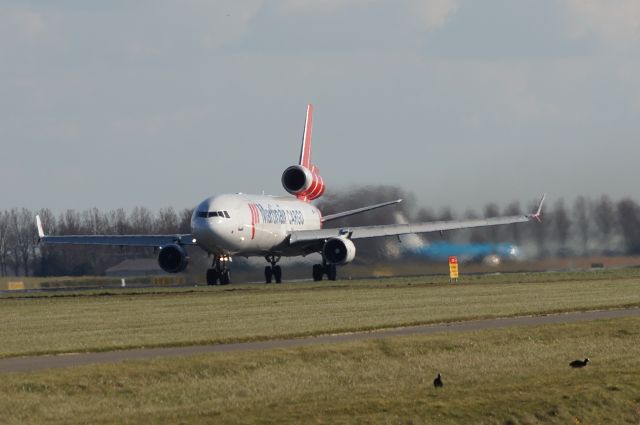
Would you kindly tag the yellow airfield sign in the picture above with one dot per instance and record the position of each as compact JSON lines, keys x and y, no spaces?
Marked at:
{"x":453,"y":268}
{"x":15,"y":286}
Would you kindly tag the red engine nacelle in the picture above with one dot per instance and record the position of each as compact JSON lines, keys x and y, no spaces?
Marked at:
{"x":303,"y":182}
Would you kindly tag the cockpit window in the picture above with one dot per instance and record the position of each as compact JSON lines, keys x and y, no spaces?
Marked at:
{"x":209,"y":214}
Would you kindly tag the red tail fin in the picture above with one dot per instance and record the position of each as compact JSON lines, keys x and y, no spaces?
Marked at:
{"x":305,"y":150}
{"x":303,"y":180}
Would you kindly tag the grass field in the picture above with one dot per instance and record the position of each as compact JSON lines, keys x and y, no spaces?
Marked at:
{"x":31,"y":283}
{"x":61,"y":322}
{"x":509,"y":376}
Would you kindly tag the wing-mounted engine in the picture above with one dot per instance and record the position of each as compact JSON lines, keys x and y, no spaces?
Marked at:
{"x":306,"y":184}
{"x":173,"y":258}
{"x":339,"y":251}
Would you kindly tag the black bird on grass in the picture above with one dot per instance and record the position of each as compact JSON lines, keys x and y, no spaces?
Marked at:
{"x":438,"y":381}
{"x":579,"y":363}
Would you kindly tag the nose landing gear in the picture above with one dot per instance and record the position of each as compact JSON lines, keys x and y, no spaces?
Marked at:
{"x":273,"y":271}
{"x":219,"y":271}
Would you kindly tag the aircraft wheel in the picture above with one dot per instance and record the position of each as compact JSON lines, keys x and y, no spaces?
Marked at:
{"x":277,"y":274}
{"x":317,"y":272}
{"x":332,"y":273}
{"x":212,"y":277}
{"x":225,"y":277}
{"x":268,"y":274}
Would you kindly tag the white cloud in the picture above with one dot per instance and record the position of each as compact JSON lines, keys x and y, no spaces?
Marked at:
{"x":210,"y":24}
{"x":143,"y":27}
{"x":224,"y":24}
{"x":27,"y":23}
{"x":613,"y":21}
{"x":434,"y":13}
{"x":24,"y":25}
{"x":326,"y":6}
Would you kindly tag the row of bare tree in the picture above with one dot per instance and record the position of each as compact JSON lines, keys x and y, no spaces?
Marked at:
{"x":587,"y":227}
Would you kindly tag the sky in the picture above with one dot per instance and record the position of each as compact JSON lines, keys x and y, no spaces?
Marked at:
{"x":162,"y":103}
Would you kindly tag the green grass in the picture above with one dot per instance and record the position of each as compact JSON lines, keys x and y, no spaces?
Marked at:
{"x":114,"y":319}
{"x":35,"y":283}
{"x":510,"y":376}
{"x":65,"y":285}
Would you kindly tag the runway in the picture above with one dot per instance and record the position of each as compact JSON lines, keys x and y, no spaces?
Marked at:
{"x":35,"y":363}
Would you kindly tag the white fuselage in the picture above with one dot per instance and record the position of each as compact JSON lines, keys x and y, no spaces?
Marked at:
{"x":239,"y":224}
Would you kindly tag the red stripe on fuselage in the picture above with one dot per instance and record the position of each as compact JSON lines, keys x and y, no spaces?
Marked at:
{"x":256,"y":215}
{"x":253,"y":220}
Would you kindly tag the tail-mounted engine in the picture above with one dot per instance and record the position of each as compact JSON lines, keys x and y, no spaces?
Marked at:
{"x":306,"y":184}
{"x":339,"y":251}
{"x":303,"y":180}
{"x":173,"y":258}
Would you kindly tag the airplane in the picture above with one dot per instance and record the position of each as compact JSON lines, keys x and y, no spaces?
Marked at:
{"x":272,"y":227}
{"x":415,"y":246}
{"x":488,"y":253}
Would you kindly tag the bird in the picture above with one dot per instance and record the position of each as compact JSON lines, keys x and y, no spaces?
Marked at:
{"x":579,"y":363}
{"x":438,"y":381}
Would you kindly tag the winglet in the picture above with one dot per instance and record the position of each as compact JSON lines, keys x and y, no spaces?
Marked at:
{"x":40,"y":230}
{"x":537,"y":215}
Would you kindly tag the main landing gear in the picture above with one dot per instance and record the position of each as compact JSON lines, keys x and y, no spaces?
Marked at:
{"x":273,"y":271}
{"x":319,"y":270}
{"x":219,"y":271}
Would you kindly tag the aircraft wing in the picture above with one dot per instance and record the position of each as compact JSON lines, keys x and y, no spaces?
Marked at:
{"x":361,"y":232}
{"x":358,"y":210}
{"x":114,"y":240}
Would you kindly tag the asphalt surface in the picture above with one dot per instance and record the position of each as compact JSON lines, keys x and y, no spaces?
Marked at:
{"x":35,"y":363}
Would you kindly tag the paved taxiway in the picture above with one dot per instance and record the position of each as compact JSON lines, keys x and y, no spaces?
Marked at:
{"x":29,"y":364}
